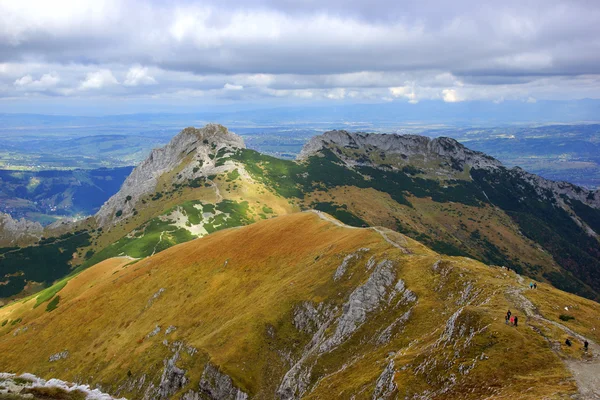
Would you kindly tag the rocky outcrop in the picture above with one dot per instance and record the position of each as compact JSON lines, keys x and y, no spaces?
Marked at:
{"x":408,"y":147}
{"x":331,"y":329}
{"x":26,"y":386}
{"x":385,"y":385}
{"x":362,"y":301}
{"x":218,"y":386}
{"x":558,"y":189}
{"x":15,"y":231}
{"x":197,"y":147}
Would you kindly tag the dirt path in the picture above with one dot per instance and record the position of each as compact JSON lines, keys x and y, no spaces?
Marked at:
{"x":381,"y":231}
{"x":217,"y":192}
{"x":586,"y":373}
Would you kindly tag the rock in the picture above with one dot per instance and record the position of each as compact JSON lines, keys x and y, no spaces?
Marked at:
{"x":341,"y":270}
{"x":363,"y":300}
{"x":173,"y":378}
{"x":154,"y":297}
{"x":197,"y":146}
{"x":385,"y":385}
{"x":407,"y":146}
{"x":154,"y":332}
{"x":13,"y":231}
{"x":219,"y":386}
{"x":308,"y":318}
{"x":59,"y":356}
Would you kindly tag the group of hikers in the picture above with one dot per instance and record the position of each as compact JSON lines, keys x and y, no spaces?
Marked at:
{"x":532,"y":285}
{"x":513,"y":319}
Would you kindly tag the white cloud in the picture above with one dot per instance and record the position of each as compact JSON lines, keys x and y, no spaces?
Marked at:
{"x":138,"y":75}
{"x":99,"y":80}
{"x":46,"y":81}
{"x":405,"y":91}
{"x":229,"y":86}
{"x":332,"y":50}
{"x":531,"y":100}
{"x":450,"y":96}
{"x":336,"y":94}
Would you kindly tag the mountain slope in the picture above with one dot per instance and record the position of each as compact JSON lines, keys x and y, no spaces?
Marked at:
{"x":456,"y":201}
{"x":188,"y":189}
{"x":303,"y":306}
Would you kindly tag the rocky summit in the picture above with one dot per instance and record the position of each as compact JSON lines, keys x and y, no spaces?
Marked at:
{"x":189,"y":155}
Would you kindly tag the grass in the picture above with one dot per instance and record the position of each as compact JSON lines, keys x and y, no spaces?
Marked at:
{"x":240,"y":317}
{"x":50,"y":292}
{"x":53,"y":305}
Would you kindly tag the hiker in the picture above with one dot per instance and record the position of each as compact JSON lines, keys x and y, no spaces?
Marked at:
{"x":530,"y":285}
{"x":585,"y":345}
{"x":568,"y":342}
{"x":509,"y":313}
{"x":512,"y":320}
{"x":506,"y":319}
{"x":516,"y":320}
{"x":534,"y":285}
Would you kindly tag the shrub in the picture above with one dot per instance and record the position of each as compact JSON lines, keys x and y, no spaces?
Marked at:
{"x":566,"y":317}
{"x":119,"y":213}
{"x":53,"y":304}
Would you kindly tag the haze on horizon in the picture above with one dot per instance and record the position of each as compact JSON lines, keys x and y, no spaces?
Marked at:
{"x":109,"y":56}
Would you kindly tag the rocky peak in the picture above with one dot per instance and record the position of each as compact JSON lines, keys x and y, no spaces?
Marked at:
{"x":14,"y":231}
{"x":192,"y":152}
{"x":408,"y":147}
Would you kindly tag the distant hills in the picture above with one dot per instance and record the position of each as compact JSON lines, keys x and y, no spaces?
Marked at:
{"x":45,"y":196}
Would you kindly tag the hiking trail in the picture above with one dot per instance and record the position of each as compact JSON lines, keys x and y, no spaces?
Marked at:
{"x":585,"y":372}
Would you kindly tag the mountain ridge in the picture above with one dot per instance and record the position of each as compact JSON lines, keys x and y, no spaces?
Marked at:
{"x":430,"y":190}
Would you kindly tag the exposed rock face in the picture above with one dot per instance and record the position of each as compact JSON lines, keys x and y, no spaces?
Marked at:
{"x":588,"y":197}
{"x":197,"y":147}
{"x":173,"y":378}
{"x":385,"y":385}
{"x":380,"y":289}
{"x":13,"y":231}
{"x":219,"y":386}
{"x":363,"y":300}
{"x":407,"y":146}
{"x":423,"y":149}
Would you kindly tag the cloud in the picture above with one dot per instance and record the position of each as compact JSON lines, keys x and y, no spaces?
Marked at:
{"x":138,"y":75}
{"x":450,"y":96}
{"x":338,"y":50}
{"x":98,"y":80}
{"x":405,"y":91}
{"x":46,"y":81}
{"x":229,"y":86}
{"x":336,"y":94}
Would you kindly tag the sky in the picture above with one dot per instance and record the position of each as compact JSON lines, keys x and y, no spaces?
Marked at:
{"x":107,"y":55}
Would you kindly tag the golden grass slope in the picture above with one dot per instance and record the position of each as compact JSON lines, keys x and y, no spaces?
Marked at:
{"x":232,"y":300}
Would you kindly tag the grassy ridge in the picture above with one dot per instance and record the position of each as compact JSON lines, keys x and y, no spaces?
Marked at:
{"x":232,"y":296}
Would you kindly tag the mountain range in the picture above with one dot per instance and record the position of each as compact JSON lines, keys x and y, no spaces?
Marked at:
{"x":393,"y":282}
